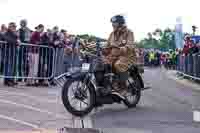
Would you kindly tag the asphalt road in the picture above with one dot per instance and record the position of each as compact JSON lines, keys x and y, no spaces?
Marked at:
{"x":26,"y":108}
{"x":167,"y":107}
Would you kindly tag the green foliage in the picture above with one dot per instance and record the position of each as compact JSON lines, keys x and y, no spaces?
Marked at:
{"x":161,"y":39}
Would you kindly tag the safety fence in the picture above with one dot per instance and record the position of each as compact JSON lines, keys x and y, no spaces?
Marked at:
{"x":39,"y":62}
{"x":189,"y":65}
{"x":35,"y":62}
{"x":27,"y":61}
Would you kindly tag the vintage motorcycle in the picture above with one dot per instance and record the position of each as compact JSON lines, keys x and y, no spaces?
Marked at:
{"x":80,"y":94}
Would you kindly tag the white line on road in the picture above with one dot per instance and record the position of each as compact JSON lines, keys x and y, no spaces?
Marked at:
{"x":77,"y":122}
{"x":19,"y":121}
{"x":196,"y":116}
{"x":32,"y":108}
{"x":87,"y":122}
{"x":29,"y":96}
{"x":147,"y":70}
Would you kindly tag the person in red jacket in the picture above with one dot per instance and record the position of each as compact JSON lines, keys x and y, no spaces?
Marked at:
{"x":188,"y":44}
{"x":34,"y":54}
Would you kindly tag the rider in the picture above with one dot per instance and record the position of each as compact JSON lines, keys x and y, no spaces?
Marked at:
{"x":121,"y":53}
{"x":151,"y":57}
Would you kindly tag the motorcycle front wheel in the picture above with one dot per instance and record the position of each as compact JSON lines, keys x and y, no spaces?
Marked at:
{"x":81,"y":94}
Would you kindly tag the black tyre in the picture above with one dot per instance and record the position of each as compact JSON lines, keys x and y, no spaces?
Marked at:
{"x":135,"y":91}
{"x":66,"y":98}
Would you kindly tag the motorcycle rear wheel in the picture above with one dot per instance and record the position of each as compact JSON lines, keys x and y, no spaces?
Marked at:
{"x":135,"y":92}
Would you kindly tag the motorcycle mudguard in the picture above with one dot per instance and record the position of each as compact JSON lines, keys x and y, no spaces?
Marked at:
{"x":135,"y":72}
{"x":77,"y":75}
{"x":83,"y":76}
{"x":141,"y":81}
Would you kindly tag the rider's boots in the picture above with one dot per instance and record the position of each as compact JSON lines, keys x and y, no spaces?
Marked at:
{"x":108,"y":77}
{"x":123,"y":88}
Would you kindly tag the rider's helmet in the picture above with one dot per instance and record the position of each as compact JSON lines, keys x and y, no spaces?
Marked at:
{"x":23,"y":22}
{"x":118,"y":19}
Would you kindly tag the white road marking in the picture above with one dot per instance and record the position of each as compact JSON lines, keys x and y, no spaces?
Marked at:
{"x":196,"y":116}
{"x":29,"y":96}
{"x":87,"y":122}
{"x":32,"y":108}
{"x":147,"y":70}
{"x":77,"y":122}
{"x":19,"y":121}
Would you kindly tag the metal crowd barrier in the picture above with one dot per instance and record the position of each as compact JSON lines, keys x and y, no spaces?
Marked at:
{"x":189,"y":65}
{"x":37,"y":62}
{"x":26,"y":61}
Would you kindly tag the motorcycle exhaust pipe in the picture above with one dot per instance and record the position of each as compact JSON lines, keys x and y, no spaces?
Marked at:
{"x":105,"y":100}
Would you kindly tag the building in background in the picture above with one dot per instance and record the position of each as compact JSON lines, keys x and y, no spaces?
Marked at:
{"x":179,"y":33}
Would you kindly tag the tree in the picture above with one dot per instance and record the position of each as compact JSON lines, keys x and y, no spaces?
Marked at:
{"x":194,"y":29}
{"x":149,"y":35}
{"x":159,"y":39}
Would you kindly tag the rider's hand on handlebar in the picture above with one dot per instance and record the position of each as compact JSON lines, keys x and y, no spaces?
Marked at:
{"x":123,"y":50}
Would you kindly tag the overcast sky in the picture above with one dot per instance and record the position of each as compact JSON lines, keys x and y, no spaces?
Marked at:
{"x":93,"y":16}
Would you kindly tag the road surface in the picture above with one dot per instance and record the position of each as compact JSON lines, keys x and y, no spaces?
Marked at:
{"x":31,"y":108}
{"x":167,"y":106}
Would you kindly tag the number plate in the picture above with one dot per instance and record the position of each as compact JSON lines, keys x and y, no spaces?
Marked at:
{"x":85,"y":66}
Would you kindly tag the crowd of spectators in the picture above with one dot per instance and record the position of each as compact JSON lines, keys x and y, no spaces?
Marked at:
{"x":31,"y":60}
{"x":169,"y":58}
{"x":30,"y":53}
{"x":152,"y":57}
{"x":190,"y":46}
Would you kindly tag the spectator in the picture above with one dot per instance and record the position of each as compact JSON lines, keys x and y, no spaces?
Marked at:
{"x":151,"y":58}
{"x":63,"y":34}
{"x":185,"y":50}
{"x":157,"y":55}
{"x":2,"y":46}
{"x":56,"y":36}
{"x":163,"y":59}
{"x":71,"y":58}
{"x":59,"y":50}
{"x":67,"y":53}
{"x":3,"y":31}
{"x":188,"y":44}
{"x":24,"y":36}
{"x":45,"y":57}
{"x":24,"y":32}
{"x":194,"y":49}
{"x":50,"y":56}
{"x":68,"y":44}
{"x":146,"y":58}
{"x":34,"y":54}
{"x":12,"y":39}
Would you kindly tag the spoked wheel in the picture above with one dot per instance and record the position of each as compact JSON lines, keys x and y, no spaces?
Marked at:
{"x":134,"y":92}
{"x":78,"y":98}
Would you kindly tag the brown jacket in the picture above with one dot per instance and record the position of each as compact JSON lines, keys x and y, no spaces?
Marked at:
{"x":127,"y":37}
